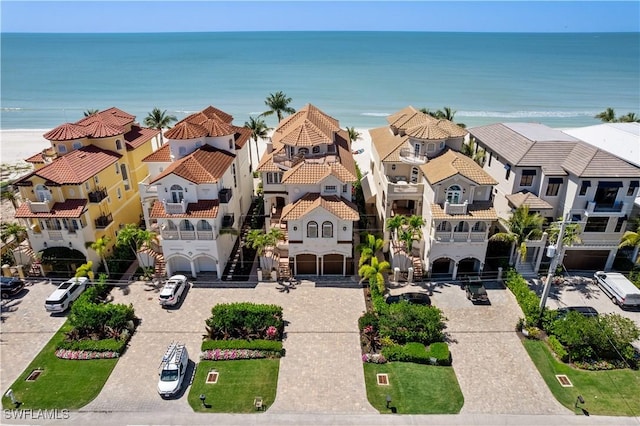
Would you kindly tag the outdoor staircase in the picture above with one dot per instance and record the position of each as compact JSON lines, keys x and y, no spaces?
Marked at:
{"x":417,"y":268}
{"x":236,"y":268}
{"x":34,"y":270}
{"x":160,"y":267}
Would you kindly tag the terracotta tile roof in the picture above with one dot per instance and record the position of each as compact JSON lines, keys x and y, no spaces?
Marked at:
{"x":110,"y":122}
{"x":420,"y":125}
{"x":71,"y":208}
{"x":102,"y":129}
{"x":386,"y":143}
{"x":35,"y":158}
{"x":112,"y":116}
{"x":185,"y":130}
{"x":428,"y":131}
{"x":452,"y":163}
{"x":242,"y":136}
{"x":267,"y":164}
{"x":78,"y":166}
{"x":210,"y":122}
{"x":66,"y":132}
{"x":306,"y":127}
{"x":137,"y":136}
{"x":306,"y":174}
{"x":337,"y":206}
{"x":528,"y":199}
{"x":212,"y":112}
{"x":452,"y":129}
{"x":204,"y":209}
{"x":478,"y":211}
{"x":407,"y":117}
{"x":161,"y":155}
{"x":204,"y":165}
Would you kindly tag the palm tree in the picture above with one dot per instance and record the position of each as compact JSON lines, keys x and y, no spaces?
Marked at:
{"x":159,"y":120}
{"x":632,"y":239}
{"x":90,"y":112}
{"x":85,"y":270}
{"x":607,"y":116}
{"x":135,"y":238}
{"x":396,"y":222}
{"x":521,"y":226}
{"x":445,"y":113}
{"x":416,"y":223}
{"x":261,"y":241}
{"x":100,"y":247}
{"x":469,"y":149}
{"x":11,"y":196}
{"x":374,"y":273}
{"x":278,"y":103}
{"x":354,"y":135}
{"x":12,"y":231}
{"x":630,"y":117}
{"x":369,"y":248}
{"x":259,"y":130}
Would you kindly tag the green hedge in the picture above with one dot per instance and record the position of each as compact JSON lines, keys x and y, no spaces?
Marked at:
{"x":437,"y":353}
{"x":558,"y":348}
{"x":258,"y":344}
{"x":244,"y":321}
{"x":103,"y":345}
{"x":527,"y":299}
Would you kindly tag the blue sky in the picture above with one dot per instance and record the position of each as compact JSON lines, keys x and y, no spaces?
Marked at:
{"x":205,"y":16}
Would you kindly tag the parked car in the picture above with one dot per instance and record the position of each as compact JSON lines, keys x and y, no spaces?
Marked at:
{"x":11,"y":286}
{"x":173,"y":290}
{"x":622,"y":291}
{"x":476,"y":292}
{"x":415,"y":298}
{"x":173,"y":369}
{"x":65,"y":294}
{"x":586,"y":311}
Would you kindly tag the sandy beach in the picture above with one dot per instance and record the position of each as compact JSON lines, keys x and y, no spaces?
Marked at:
{"x":16,"y":145}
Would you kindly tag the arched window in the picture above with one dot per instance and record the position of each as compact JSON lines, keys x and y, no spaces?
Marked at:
{"x":479,"y":227}
{"x":462,"y":227}
{"x":454,"y":194}
{"x":177,"y":194}
{"x":444,"y":227}
{"x":312,"y":230}
{"x":303,"y":151}
{"x":42,"y":193}
{"x":186,"y":225}
{"x":203,"y":225}
{"x":316,"y":149}
{"x":327,"y":230}
{"x":171,"y":226}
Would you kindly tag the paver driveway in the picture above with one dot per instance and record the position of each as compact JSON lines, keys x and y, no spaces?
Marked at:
{"x":322,"y":371}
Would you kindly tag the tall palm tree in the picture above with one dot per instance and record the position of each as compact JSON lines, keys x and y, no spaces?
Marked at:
{"x":369,"y":248}
{"x":90,"y":112}
{"x":521,"y":226}
{"x":632,"y":239}
{"x":416,"y":223}
{"x":261,"y":241}
{"x":12,"y":196}
{"x":469,"y":149}
{"x":374,"y":273}
{"x":630,"y":117}
{"x":354,"y":135}
{"x":100,"y":247}
{"x":396,"y":222}
{"x":158,"y":119}
{"x":259,"y":130}
{"x":278,"y":103}
{"x":607,"y":116}
{"x":135,"y":238}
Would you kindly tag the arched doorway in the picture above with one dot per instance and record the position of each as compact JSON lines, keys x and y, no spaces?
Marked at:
{"x":442,"y":268}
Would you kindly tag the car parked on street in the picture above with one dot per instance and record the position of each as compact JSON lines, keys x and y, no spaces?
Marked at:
{"x":65,"y":294}
{"x":11,"y":286}
{"x":173,"y":290}
{"x":415,"y":298}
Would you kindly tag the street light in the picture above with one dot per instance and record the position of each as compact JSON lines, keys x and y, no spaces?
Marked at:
{"x":388,"y":400}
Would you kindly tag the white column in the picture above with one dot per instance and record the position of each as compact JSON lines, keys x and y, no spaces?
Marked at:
{"x":455,"y":271}
{"x":193,"y":268}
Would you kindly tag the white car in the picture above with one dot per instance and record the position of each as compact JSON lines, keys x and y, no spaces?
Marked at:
{"x":173,"y":369}
{"x":65,"y":294}
{"x":173,"y":290}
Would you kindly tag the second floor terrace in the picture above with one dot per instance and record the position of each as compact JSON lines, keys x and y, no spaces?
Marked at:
{"x":286,"y":161}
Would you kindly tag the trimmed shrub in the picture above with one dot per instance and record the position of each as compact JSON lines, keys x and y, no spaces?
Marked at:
{"x":404,"y":322}
{"x":244,"y":321}
{"x":394,"y":353}
{"x":440,"y":352}
{"x":104,"y":345}
{"x":558,"y":348}
{"x":234,"y":354}
{"x":527,"y":299}
{"x":258,"y":344}
{"x":416,"y":352}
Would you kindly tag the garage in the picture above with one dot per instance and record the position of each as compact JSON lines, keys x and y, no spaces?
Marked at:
{"x":585,"y":260}
{"x":179,"y":264}
{"x":205,"y":264}
{"x":332,"y":264}
{"x":306,"y":264}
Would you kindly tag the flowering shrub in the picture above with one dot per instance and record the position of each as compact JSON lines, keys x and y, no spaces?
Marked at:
{"x":77,"y":355}
{"x":602,"y":364}
{"x":374,"y":358}
{"x":272,"y":332}
{"x":230,"y":354}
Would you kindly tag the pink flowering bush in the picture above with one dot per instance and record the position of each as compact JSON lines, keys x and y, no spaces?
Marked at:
{"x":272,"y":332}
{"x":80,"y":355}
{"x":230,"y":354}
{"x":374,"y":358}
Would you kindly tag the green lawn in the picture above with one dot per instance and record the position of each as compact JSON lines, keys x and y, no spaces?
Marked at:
{"x":414,"y":388}
{"x":64,"y":383}
{"x":610,"y":393}
{"x":239,"y":382}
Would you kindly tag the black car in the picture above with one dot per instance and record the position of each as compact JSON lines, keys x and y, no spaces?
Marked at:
{"x":586,"y":311}
{"x":11,"y":286}
{"x":414,"y":298}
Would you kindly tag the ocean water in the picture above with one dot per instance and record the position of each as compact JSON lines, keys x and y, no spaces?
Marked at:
{"x":561,"y":80}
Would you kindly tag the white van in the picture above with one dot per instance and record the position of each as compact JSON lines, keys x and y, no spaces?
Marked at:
{"x":173,"y":369}
{"x":618,"y":288}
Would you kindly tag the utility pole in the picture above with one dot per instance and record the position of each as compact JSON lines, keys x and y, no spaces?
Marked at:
{"x":554,"y":263}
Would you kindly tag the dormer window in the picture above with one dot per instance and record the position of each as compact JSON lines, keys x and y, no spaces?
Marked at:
{"x":316,"y":150}
{"x":303,"y":151}
{"x":454,"y":194}
{"x":62,"y":149}
{"x":431,"y":147}
{"x":177,"y":194}
{"x":77,"y":145}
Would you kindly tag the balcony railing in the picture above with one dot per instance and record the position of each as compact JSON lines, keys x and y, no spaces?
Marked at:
{"x":146,"y":190}
{"x":408,"y":155}
{"x":40,"y":206}
{"x":103,"y":221}
{"x":187,"y":235}
{"x":98,"y":195}
{"x":460,"y":237}
{"x":321,"y":158}
{"x":205,"y":235}
{"x":55,"y":234}
{"x":175,"y":208}
{"x":455,"y":208}
{"x":225,"y":195}
{"x":605,"y":209}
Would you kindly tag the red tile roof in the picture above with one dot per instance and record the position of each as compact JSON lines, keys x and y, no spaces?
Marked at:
{"x":186,"y":130}
{"x":338,"y":206}
{"x":137,"y":136}
{"x":71,"y":208}
{"x":110,"y":122}
{"x":202,"y":209}
{"x":78,"y":166}
{"x":205,"y":165}
{"x":101,"y":129}
{"x":161,"y":155}
{"x":66,"y":132}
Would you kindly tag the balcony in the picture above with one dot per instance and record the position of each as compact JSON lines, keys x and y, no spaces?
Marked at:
{"x":592,"y":208}
{"x":228,"y":220}
{"x":454,"y":209}
{"x":103,"y":221}
{"x":147,"y":191}
{"x":408,"y":155}
{"x":225,"y":195}
{"x":460,"y":237}
{"x":98,"y":195}
{"x":186,"y":235}
{"x":40,"y":206}
{"x":175,"y":208}
{"x":287,"y":162}
{"x":400,"y":185}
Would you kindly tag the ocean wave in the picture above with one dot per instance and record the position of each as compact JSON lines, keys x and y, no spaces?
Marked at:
{"x":525,"y":114}
{"x":11,"y":109}
{"x":376,"y":114}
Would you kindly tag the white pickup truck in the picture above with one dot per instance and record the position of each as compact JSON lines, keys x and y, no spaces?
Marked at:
{"x":621,"y":291}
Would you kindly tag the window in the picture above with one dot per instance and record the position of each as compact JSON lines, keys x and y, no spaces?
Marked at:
{"x":233,"y":171}
{"x":442,"y":145}
{"x":312,"y":230}
{"x":607,"y":193}
{"x":171,"y":226}
{"x":125,"y":176}
{"x":431,"y":147}
{"x":42,"y":193}
{"x":182,"y":150}
{"x":86,"y":185}
{"x":345,"y":188}
{"x":454,"y":193}
{"x":186,"y":225}
{"x":461,"y":227}
{"x":96,"y":180}
{"x":316,"y":150}
{"x":444,"y":227}
{"x":619,"y":224}
{"x":553,"y":187}
{"x":414,"y":175}
{"x":393,"y":166}
{"x":117,"y":169}
{"x":77,"y":145}
{"x":584,"y":188}
{"x":527,"y":177}
{"x":508,"y":169}
{"x":118,"y":144}
{"x":230,"y":143}
{"x":331,"y":148}
{"x":303,"y":151}
{"x":479,"y":227}
{"x":632,"y":187}
{"x":490,"y":158}
{"x":203,"y":225}
{"x":273,"y":177}
{"x":327,"y":230}
{"x":62,"y":149}
{"x":119,"y":193}
{"x":177,"y":194}
{"x":596,"y":224}
{"x":330,"y":189}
